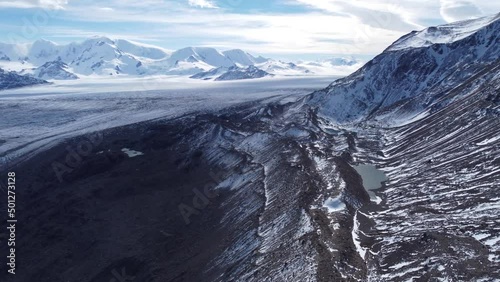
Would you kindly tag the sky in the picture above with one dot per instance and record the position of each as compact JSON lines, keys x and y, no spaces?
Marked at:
{"x":299,"y":29}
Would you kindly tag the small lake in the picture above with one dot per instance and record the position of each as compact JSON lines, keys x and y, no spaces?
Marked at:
{"x":372,"y":178}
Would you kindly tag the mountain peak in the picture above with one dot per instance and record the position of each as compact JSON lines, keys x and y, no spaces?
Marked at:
{"x":98,"y":39}
{"x":441,"y":34}
{"x":243,"y":58}
{"x":43,"y":43}
{"x":400,"y":75}
{"x":208,"y":55}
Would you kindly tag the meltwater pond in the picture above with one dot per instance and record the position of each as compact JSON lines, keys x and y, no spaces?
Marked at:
{"x":372,"y":179}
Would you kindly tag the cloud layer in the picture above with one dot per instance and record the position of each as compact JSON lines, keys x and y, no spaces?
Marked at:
{"x":46,"y":4}
{"x":459,"y":10}
{"x":292,"y":27}
{"x":202,"y":3}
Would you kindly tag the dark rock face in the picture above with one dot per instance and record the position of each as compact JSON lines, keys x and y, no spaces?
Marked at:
{"x":10,"y":80}
{"x":236,"y":73}
{"x":232,"y":73}
{"x":54,"y":70}
{"x":4,"y":57}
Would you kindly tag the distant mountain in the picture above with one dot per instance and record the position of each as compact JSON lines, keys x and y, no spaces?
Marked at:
{"x":54,"y":70}
{"x":103,"y":56}
{"x":283,"y":68}
{"x":243,"y":58}
{"x":9,"y":80}
{"x":237,"y":73}
{"x":141,"y":50}
{"x":209,"y":56}
{"x":211,"y":74}
{"x":4,"y":57}
{"x":232,"y":73}
{"x":98,"y":55}
{"x":340,"y":61}
{"x":444,"y":34}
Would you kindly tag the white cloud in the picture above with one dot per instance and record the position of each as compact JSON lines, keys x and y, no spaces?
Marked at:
{"x":398,"y":15}
{"x":455,"y":10}
{"x":46,"y":4}
{"x":325,"y":27}
{"x":202,"y":4}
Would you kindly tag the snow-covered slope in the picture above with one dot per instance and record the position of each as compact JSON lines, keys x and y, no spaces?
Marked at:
{"x":211,"y":74}
{"x":97,"y":55}
{"x":283,"y":68}
{"x":142,"y":50}
{"x":13,"y":52}
{"x":335,"y":66}
{"x":232,"y":73}
{"x":54,"y":70}
{"x":441,"y":34}
{"x":337,"y":61}
{"x":402,"y":83}
{"x":100,"y":55}
{"x":42,"y":51}
{"x":206,"y":55}
{"x":104,"y":56}
{"x":243,"y":58}
{"x":9,"y":80}
{"x":237,"y":73}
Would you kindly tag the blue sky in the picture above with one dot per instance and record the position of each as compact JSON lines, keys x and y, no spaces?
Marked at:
{"x":297,"y":29}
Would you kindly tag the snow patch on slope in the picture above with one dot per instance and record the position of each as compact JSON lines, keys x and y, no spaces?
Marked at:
{"x":443,"y":34}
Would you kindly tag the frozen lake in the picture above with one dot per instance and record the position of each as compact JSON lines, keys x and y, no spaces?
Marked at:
{"x":372,"y":178}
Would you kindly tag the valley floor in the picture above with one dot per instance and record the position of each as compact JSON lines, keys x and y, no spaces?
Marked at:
{"x":33,"y":119}
{"x":253,"y":189}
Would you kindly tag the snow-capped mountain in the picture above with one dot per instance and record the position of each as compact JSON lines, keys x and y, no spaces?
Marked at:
{"x":237,"y":73}
{"x":193,"y":60}
{"x":443,"y":34}
{"x":106,"y":57}
{"x":211,"y":74}
{"x":206,"y":55}
{"x":283,"y":68}
{"x":413,"y":73}
{"x":333,"y":62}
{"x":141,"y":50}
{"x":13,"y":52}
{"x":232,"y":73}
{"x":101,"y":56}
{"x":52,"y":70}
{"x":98,"y":55}
{"x":242,"y":58}
{"x":9,"y":80}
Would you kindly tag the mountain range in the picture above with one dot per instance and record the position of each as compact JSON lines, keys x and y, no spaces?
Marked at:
{"x":106,"y":57}
{"x":411,"y":77}
{"x":9,"y":80}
